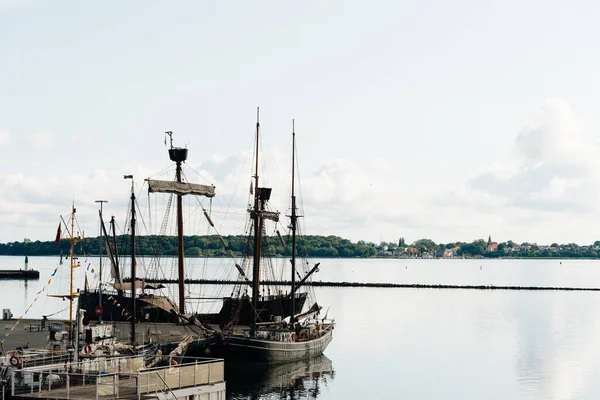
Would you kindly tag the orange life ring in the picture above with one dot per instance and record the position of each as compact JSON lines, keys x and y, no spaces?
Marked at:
{"x":14,"y":360}
{"x":293,"y":337}
{"x":87,"y":349}
{"x":173,"y":362}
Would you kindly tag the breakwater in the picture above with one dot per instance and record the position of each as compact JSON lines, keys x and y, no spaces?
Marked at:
{"x":19,"y":274}
{"x":380,"y":285}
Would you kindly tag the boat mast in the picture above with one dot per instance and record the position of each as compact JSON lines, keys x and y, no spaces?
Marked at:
{"x":293,"y":220}
{"x":257,"y":229}
{"x":116,"y":253}
{"x":133,"y":261}
{"x":180,"y":249}
{"x":73,"y":265}
{"x":100,"y":273}
{"x":179,"y":155}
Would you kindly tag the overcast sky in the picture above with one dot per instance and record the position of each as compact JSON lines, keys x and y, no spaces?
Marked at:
{"x":446,"y":120}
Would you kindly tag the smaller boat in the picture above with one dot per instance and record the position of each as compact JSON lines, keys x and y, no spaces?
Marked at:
{"x":104,"y":304}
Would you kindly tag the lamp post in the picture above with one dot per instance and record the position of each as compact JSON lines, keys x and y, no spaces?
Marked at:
{"x":100,"y":273}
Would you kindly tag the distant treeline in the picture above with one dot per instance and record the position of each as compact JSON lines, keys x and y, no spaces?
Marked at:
{"x":308,"y":246}
{"x":195,"y":246}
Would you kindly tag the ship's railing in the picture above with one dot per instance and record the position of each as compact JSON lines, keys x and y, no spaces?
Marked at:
{"x":34,"y":357}
{"x":194,"y":372}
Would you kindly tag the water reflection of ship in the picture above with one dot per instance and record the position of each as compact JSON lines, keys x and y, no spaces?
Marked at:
{"x":300,"y":379}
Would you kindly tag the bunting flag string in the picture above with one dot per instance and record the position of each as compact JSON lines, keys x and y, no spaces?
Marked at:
{"x":37,"y":295}
{"x":89,"y":266}
{"x":116,"y":304}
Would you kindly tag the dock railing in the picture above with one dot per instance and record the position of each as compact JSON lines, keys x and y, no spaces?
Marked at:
{"x":113,"y":378}
{"x":196,"y":371}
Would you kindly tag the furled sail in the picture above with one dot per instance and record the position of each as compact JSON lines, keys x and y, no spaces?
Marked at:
{"x":272,"y":215}
{"x":157,"y":186}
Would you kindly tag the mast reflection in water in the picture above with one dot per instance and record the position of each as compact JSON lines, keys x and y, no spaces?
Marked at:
{"x":303,"y":379}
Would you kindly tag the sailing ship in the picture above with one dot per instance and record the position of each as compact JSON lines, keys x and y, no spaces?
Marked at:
{"x":146,"y":307}
{"x":270,"y":327}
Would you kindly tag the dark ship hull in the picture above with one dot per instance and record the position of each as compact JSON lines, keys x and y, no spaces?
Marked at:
{"x":269,"y":350}
{"x":149,"y":308}
{"x":239,"y":311}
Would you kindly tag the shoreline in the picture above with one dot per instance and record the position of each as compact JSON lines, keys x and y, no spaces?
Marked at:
{"x":339,"y":258}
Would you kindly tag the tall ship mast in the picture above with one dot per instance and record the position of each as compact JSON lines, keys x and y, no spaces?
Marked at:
{"x":180,"y":189}
{"x":293,"y":222}
{"x":133,"y":263}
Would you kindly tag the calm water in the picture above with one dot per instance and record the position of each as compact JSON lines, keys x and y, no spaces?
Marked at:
{"x":419,"y":343}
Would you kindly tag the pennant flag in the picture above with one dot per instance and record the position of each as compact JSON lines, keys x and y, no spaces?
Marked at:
{"x":85,"y":284}
{"x":57,"y":240}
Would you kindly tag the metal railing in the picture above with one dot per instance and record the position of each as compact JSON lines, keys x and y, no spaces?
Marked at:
{"x":198,"y":371}
{"x":114,"y":378}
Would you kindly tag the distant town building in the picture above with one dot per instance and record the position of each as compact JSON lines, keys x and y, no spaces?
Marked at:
{"x":491,"y":246}
{"x":450,"y":253}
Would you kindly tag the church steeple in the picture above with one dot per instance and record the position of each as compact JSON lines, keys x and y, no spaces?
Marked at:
{"x":489,"y":240}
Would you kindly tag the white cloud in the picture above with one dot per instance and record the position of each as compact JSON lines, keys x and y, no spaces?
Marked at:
{"x":556,"y":167}
{"x":4,"y":138}
{"x":41,"y":140}
{"x":544,"y":191}
{"x":30,"y":205}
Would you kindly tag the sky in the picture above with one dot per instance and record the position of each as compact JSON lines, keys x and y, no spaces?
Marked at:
{"x":418,"y":119}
